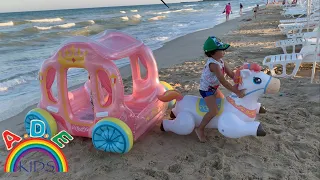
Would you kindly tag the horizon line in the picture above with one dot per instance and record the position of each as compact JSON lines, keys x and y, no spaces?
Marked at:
{"x":93,"y":7}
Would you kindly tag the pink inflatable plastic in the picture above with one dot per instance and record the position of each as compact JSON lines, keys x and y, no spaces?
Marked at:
{"x":113,"y":120}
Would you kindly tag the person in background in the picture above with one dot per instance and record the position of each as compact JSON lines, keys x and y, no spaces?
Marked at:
{"x":227,"y":10}
{"x":255,"y":11}
{"x":241,"y":6}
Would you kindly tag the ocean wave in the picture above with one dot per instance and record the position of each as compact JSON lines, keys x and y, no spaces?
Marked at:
{"x":11,"y":83}
{"x":176,"y":11}
{"x":123,"y":12}
{"x":88,"y":30}
{"x":135,"y":10}
{"x":161,"y":38}
{"x":125,"y":18}
{"x":45,"y":28}
{"x":190,"y":5}
{"x":164,"y":12}
{"x":186,"y":10}
{"x":68,"y":25}
{"x":45,"y":20}
{"x":157,"y":18}
{"x":89,"y":22}
{"x":10,"y":23}
{"x":41,"y":28}
{"x":17,"y":79}
{"x":137,"y":16}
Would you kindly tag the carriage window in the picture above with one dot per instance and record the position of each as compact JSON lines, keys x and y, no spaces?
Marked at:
{"x":143,"y":69}
{"x":51,"y":80}
{"x":104,"y":83}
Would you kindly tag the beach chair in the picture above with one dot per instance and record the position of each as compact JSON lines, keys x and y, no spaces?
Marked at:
{"x":299,"y":11}
{"x":294,"y":12}
{"x":312,"y":34}
{"x":295,"y":42}
{"x":298,"y":28}
{"x":304,"y":25}
{"x":314,"y":17}
{"x":309,"y":54}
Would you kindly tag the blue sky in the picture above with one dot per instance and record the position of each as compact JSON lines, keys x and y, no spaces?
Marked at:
{"x":34,"y":5}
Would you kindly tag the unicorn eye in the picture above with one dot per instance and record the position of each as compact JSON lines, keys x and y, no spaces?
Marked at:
{"x":257,"y":80}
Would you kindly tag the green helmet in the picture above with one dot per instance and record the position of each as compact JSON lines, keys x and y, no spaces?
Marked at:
{"x":213,"y":43}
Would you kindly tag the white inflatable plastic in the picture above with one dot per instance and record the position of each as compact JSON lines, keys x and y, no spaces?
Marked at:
{"x":236,"y":116}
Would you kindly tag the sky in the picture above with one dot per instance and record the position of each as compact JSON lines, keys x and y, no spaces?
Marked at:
{"x":36,"y":5}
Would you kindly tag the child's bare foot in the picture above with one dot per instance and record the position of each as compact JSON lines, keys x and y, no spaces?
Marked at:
{"x":200,"y":135}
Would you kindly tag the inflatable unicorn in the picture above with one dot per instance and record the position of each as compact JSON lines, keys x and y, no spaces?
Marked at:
{"x":236,"y":117}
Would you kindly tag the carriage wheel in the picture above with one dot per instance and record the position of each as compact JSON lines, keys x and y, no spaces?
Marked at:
{"x":112,"y":135}
{"x":167,"y":87}
{"x":44,"y":116}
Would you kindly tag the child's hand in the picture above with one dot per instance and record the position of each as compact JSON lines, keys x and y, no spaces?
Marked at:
{"x":241,"y":93}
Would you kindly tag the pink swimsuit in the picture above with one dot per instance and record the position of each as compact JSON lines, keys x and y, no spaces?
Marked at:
{"x":228,"y":9}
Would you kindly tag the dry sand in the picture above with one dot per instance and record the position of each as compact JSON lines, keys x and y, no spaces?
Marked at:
{"x":291,"y":149}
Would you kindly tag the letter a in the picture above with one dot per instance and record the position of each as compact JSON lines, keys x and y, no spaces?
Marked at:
{"x":9,"y":138}
{"x":37,"y":128}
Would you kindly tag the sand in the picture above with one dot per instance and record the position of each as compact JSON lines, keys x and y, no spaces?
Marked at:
{"x":291,"y":149}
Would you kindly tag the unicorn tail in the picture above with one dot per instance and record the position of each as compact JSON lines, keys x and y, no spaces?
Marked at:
{"x":170,"y":95}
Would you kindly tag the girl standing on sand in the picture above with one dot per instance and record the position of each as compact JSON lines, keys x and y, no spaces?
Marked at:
{"x":227,"y":9}
{"x":211,"y":78}
{"x":241,"y":6}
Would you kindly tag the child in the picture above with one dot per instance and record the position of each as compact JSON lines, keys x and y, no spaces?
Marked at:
{"x":255,"y":11}
{"x":211,"y":78}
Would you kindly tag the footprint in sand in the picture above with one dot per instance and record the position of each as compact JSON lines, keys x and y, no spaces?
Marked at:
{"x":277,"y":131}
{"x":175,"y":168}
{"x":159,"y":175}
{"x":188,"y":158}
{"x":212,"y":165}
{"x":202,"y":153}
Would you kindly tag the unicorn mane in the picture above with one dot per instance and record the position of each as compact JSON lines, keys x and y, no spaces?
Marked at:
{"x":237,"y":75}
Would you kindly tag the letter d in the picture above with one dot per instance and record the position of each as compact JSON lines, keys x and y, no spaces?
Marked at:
{"x":37,"y":128}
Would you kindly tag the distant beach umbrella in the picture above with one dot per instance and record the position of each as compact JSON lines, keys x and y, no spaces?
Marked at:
{"x":164,"y":3}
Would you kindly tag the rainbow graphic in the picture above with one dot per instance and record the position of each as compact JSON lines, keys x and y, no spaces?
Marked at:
{"x":36,"y":144}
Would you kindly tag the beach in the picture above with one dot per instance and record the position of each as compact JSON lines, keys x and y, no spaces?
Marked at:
{"x":291,"y":149}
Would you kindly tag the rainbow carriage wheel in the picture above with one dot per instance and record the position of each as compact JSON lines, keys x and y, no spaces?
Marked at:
{"x":167,"y":87}
{"x":112,"y":135}
{"x":44,"y":116}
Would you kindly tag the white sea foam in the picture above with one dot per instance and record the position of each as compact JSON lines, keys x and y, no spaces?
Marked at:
{"x":157,"y":18}
{"x":137,"y":16}
{"x":125,"y":18}
{"x":43,"y":28}
{"x":68,"y":25}
{"x":10,"y":23}
{"x":45,"y":20}
{"x":179,"y":10}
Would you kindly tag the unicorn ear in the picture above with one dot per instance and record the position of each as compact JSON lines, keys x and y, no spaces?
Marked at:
{"x":245,"y":73}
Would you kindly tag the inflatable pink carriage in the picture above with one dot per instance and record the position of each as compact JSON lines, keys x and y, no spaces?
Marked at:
{"x":236,"y":117}
{"x":113,"y":120}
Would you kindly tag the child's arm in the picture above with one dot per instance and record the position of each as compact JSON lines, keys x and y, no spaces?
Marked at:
{"x":229,"y":72}
{"x":216,"y":69}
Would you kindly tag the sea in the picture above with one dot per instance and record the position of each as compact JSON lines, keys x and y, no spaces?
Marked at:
{"x":29,"y":38}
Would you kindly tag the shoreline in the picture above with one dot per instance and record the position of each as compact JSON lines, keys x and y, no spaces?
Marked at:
{"x":171,"y":53}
